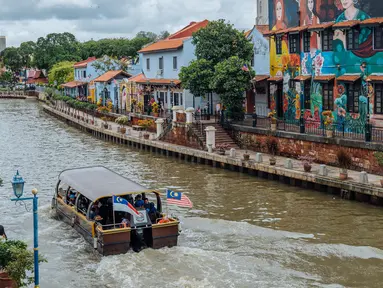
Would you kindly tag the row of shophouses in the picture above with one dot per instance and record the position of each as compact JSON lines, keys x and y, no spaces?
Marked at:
{"x":304,"y":65}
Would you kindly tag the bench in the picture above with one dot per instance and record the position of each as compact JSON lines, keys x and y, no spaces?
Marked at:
{"x":138,"y":128}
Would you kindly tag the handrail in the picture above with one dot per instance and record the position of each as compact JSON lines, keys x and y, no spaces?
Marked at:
{"x":167,"y":126}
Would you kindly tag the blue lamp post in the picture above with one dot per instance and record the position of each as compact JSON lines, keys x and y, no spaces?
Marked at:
{"x":18,"y":190}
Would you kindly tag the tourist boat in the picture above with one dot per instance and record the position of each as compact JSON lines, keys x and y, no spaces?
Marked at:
{"x":83,"y":192}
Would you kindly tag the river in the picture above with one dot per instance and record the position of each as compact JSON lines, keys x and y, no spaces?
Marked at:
{"x":242,"y":231}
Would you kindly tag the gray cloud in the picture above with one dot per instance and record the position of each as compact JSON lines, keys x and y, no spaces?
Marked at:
{"x":22,"y":20}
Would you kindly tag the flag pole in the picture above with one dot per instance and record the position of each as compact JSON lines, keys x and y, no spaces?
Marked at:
{"x":114,"y":217}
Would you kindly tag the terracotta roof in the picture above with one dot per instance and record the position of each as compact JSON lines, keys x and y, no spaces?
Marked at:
{"x":189,"y":30}
{"x":348,"y":78}
{"x":346,"y":24}
{"x":136,"y":78}
{"x":275,"y":79}
{"x":268,"y":33}
{"x":159,"y":81}
{"x":372,"y":21}
{"x":73,"y":84}
{"x":320,"y":26}
{"x":247,"y":33}
{"x":283,"y":31}
{"x":37,"y":80}
{"x":324,"y":78}
{"x":260,"y":78}
{"x":164,"y":45}
{"x":299,"y":28}
{"x":302,"y":77}
{"x":106,"y":77}
{"x":84,"y":63}
{"x":262,"y":28}
{"x":375,"y":78}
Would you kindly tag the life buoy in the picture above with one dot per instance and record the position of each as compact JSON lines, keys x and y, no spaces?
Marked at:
{"x":73,"y":221}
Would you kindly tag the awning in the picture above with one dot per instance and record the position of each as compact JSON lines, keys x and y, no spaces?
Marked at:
{"x":324,"y":78}
{"x":275,"y":79}
{"x":73,"y":84}
{"x":302,"y":78}
{"x":375,"y":78}
{"x":348,"y":78}
{"x":319,"y":27}
{"x":98,"y":182}
{"x":260,"y":78}
{"x":346,"y":24}
{"x":159,"y":81}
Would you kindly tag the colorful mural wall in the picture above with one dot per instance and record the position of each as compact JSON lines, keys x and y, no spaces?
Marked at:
{"x":339,"y":61}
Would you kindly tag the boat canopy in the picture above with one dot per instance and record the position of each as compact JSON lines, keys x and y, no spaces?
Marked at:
{"x":99,"y":182}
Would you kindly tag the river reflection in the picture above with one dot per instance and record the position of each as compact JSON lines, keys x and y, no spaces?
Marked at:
{"x":242,"y":231}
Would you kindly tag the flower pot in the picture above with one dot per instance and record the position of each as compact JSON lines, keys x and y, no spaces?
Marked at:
{"x":92,"y":122}
{"x":246,"y":157}
{"x":307,"y":167}
{"x":146,"y":136}
{"x":273,"y":126}
{"x":6,"y":282}
{"x":273,"y":161}
{"x":329,"y":133}
{"x":123,"y":130}
{"x":343,"y":175}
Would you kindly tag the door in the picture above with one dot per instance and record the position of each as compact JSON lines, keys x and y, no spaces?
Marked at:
{"x":279,"y":101}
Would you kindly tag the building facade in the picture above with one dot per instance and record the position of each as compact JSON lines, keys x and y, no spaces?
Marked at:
{"x":262,"y":12}
{"x":325,"y":55}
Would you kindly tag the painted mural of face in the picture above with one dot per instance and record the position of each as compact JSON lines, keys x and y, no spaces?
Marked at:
{"x":347,"y":3}
{"x":310,"y":5}
{"x":279,"y":10}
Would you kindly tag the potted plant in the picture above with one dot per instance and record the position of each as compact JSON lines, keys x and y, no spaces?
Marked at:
{"x":273,"y":120}
{"x":378,"y":157}
{"x":140,"y":107}
{"x":344,"y":162}
{"x":155,"y":109}
{"x":122,"y":120}
{"x":272,"y":148}
{"x":328,"y":119}
{"x":105,"y":123}
{"x":145,"y":124}
{"x":245,"y":142}
{"x":307,"y":161}
{"x":16,"y":264}
{"x":222,"y":148}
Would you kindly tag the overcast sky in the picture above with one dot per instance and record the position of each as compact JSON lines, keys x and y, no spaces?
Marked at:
{"x":24,"y":20}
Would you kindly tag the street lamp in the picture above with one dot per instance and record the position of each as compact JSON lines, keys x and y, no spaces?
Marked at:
{"x":18,"y":189}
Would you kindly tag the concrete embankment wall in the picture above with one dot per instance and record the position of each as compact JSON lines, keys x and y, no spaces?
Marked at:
{"x":347,"y":189}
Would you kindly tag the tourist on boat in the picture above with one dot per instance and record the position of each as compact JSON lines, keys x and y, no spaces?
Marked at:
{"x":92,"y":213}
{"x":103,"y":212}
{"x":153,"y":213}
{"x":139,"y":202}
{"x":2,"y":233}
{"x":72,"y":198}
{"x":125,"y":221}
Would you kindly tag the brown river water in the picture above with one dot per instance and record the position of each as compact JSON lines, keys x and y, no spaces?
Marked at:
{"x":242,"y":231}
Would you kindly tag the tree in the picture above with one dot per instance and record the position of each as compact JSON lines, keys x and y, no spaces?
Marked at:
{"x":163,"y":35}
{"x":27,"y":50}
{"x":219,"y":40}
{"x":197,"y":77}
{"x":12,"y":59}
{"x":8,"y":77}
{"x":54,"y":48}
{"x":230,"y":82}
{"x":110,"y":63}
{"x":61,"y":73}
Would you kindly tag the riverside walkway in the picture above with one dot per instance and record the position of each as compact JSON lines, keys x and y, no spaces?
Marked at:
{"x":352,"y":188}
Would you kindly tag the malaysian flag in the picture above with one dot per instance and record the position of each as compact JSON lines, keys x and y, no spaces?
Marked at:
{"x":178,"y":198}
{"x":245,"y":68}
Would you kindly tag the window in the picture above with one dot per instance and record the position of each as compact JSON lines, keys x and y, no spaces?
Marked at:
{"x":84,"y":74}
{"x":148,"y":64}
{"x":378,"y":88}
{"x":378,"y":37}
{"x":161,"y":63}
{"x":327,"y":39}
{"x":177,"y":99}
{"x":294,"y":43}
{"x":353,"y":91}
{"x":278,"y":43}
{"x":292,"y":84}
{"x":306,"y":41}
{"x":352,"y":39}
{"x":307,"y":94}
{"x":328,"y":96}
{"x":175,"y":64}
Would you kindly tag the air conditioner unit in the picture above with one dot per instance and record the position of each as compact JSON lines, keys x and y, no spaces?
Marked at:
{"x":160,"y":71}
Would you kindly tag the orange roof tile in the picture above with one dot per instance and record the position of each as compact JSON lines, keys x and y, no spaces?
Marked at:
{"x":320,"y":26}
{"x":324,"y":78}
{"x":299,"y":28}
{"x":73,"y":84}
{"x":262,"y":28}
{"x":106,"y":77}
{"x":84,"y":63}
{"x":302,"y":78}
{"x":275,"y":79}
{"x":372,"y":21}
{"x":346,"y":24}
{"x":283,"y":31}
{"x":138,"y":77}
{"x":164,"y":45}
{"x":268,"y":33}
{"x":189,"y":30}
{"x":348,"y":78}
{"x":159,"y":81}
{"x":260,"y":78}
{"x":375,"y":78}
{"x":247,"y":33}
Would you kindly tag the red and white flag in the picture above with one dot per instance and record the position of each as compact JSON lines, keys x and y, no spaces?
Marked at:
{"x":121,"y":204}
{"x":179,"y":199}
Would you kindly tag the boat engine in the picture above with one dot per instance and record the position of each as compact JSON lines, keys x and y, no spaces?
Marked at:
{"x":141,"y":234}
